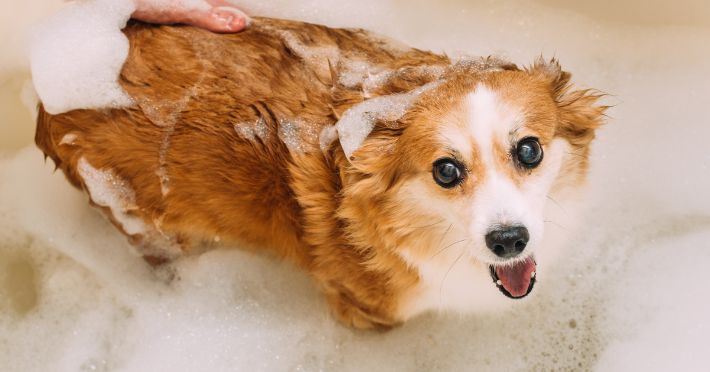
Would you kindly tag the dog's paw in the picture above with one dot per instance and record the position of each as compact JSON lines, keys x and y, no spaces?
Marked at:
{"x":354,"y":315}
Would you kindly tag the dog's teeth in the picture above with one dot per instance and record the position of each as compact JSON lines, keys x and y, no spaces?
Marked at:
{"x":498,"y":282}
{"x":532,"y":275}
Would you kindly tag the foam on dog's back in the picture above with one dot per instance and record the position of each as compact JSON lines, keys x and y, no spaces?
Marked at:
{"x":77,"y":54}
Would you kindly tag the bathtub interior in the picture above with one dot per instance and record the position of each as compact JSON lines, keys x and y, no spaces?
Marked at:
{"x":630,"y":293}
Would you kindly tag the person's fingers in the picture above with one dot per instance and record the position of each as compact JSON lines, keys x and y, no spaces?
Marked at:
{"x":220,"y":19}
{"x":213,"y":15}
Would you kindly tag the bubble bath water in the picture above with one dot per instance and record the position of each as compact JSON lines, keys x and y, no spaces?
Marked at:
{"x":629,"y":292}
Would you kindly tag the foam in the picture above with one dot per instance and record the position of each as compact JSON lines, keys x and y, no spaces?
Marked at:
{"x":363,"y":74}
{"x":252,"y":131}
{"x":327,"y":136}
{"x":180,"y":4}
{"x":101,"y":308}
{"x":680,"y":316}
{"x":68,"y":139}
{"x":108,"y":190}
{"x":307,"y":53}
{"x":77,"y":54}
{"x":298,"y":135}
{"x":627,"y":294}
{"x":357,"y":122}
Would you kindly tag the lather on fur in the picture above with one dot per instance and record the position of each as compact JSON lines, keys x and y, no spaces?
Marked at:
{"x":231,"y":139}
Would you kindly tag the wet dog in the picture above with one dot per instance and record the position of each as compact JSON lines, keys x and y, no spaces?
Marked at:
{"x":400,"y":180}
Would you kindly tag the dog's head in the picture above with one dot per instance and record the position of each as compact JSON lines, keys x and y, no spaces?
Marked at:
{"x":467,"y":170}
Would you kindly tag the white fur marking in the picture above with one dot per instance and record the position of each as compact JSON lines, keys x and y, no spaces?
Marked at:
{"x":498,"y":201}
{"x":457,"y":277}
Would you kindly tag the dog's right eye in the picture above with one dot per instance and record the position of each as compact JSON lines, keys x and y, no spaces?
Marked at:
{"x":447,"y":172}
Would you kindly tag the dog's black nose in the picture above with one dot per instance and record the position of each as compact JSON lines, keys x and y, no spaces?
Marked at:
{"x":507,"y":241}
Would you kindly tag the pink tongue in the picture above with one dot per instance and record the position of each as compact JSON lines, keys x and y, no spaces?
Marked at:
{"x":516,"y":278}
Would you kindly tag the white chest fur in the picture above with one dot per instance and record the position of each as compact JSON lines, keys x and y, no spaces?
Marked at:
{"x":451,"y":281}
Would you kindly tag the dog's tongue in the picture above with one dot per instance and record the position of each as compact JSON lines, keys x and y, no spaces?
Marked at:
{"x":516,"y":279}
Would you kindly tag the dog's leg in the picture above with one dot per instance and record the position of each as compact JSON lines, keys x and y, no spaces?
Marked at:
{"x":352,"y":313}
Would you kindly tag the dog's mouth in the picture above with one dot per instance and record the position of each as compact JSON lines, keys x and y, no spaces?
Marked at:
{"x":517,"y":280}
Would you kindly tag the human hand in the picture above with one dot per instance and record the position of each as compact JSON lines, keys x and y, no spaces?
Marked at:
{"x":213,"y":15}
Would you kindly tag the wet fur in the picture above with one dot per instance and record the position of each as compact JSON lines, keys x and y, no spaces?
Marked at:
{"x":339,"y":219}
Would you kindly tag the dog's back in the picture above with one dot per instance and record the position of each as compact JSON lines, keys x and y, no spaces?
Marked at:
{"x":218,"y":120}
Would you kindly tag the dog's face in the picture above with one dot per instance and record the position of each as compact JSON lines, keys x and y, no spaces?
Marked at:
{"x":469,"y":169}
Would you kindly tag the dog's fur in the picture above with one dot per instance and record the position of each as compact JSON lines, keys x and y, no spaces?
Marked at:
{"x":226,"y":142}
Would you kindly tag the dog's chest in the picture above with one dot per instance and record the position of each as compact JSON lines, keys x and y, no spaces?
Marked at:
{"x":450,"y":283}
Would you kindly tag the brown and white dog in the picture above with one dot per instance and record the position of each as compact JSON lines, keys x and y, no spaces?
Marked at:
{"x":401,"y":181}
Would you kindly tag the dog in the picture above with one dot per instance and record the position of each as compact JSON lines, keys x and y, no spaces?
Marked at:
{"x":401,"y":180}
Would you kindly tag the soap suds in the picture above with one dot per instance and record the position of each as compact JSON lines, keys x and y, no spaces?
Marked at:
{"x":100,"y":307}
{"x":327,"y":136}
{"x":77,"y":54}
{"x":632,"y":276}
{"x":661,"y":330}
{"x":68,"y":139}
{"x":362,"y":74}
{"x":368,"y":78}
{"x":108,"y":190}
{"x":299,"y":135}
{"x":317,"y":56}
{"x":190,"y":4}
{"x":252,"y":131}
{"x":166,"y":113}
{"x":357,"y":122}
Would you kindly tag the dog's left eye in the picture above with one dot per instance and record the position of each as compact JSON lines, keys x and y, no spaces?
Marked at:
{"x":529,"y":152}
{"x":447,"y":172}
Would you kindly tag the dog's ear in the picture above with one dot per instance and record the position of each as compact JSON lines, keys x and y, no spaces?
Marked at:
{"x":380,"y":143}
{"x":375,"y":162}
{"x":580,"y":111}
{"x":369,"y":129}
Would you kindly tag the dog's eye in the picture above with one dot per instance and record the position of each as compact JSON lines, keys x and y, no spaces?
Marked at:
{"x":447,"y":172}
{"x":529,"y":152}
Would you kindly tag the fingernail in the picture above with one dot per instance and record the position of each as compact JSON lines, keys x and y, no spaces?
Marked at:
{"x":223,"y":18}
{"x":238,"y":18}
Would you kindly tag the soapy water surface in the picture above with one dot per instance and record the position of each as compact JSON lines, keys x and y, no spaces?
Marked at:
{"x":629,"y":292}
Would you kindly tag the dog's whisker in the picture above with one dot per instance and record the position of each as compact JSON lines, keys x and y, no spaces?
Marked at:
{"x":444,"y":235}
{"x":441,"y":287}
{"x":425,"y":226}
{"x":556,"y":203}
{"x":556,"y":224}
{"x":447,"y":247}
{"x":580,"y":155}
